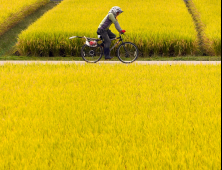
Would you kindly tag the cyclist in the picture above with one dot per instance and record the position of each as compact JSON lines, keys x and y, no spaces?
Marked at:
{"x":105,"y":32}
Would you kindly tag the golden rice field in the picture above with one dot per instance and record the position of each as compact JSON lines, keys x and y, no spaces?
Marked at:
{"x":156,"y":27}
{"x":12,"y":11}
{"x":110,"y":117}
{"x":83,"y":18}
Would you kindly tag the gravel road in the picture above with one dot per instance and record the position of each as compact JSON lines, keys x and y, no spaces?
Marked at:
{"x":113,"y":62}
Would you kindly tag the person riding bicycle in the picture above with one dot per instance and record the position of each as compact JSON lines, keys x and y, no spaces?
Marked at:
{"x":104,"y":31}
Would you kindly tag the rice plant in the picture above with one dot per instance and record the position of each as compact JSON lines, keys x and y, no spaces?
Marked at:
{"x":157,"y":27}
{"x":110,"y":116}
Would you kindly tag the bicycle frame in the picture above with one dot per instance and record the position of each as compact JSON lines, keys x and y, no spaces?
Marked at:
{"x":117,"y":43}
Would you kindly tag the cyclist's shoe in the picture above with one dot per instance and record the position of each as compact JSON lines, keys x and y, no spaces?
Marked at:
{"x":108,"y":58}
{"x":106,"y":52}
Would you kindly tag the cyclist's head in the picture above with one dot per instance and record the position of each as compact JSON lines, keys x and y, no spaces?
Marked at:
{"x":116,"y":10}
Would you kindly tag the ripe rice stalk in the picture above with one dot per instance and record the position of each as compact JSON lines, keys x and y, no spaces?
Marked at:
{"x":69,"y":116}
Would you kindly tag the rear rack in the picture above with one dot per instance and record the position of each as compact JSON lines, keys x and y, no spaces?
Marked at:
{"x":88,"y":38}
{"x":95,"y":39}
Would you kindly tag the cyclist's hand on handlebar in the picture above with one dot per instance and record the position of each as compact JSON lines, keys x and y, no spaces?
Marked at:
{"x":122,"y":32}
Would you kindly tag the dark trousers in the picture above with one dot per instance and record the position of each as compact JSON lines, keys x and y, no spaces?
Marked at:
{"x":106,"y":36}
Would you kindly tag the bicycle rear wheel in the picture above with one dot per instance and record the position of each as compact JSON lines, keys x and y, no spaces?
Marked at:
{"x":127,"y":52}
{"x":91,"y":54}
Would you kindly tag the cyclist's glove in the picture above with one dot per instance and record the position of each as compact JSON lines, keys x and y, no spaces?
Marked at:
{"x":122,"y":32}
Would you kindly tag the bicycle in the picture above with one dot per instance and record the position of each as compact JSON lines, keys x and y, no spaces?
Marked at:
{"x":92,"y":50}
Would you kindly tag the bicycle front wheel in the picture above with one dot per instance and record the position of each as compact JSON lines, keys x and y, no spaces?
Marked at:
{"x":127,"y":52}
{"x":91,"y":54}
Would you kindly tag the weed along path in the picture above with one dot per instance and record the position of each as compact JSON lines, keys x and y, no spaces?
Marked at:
{"x":113,"y":62}
{"x":9,"y":39}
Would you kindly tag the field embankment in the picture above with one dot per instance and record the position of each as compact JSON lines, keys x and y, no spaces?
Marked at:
{"x":9,"y":39}
{"x":12,"y":11}
{"x":210,"y":15}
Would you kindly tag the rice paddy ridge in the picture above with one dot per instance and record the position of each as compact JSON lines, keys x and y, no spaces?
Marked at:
{"x":12,"y":11}
{"x":204,"y":43}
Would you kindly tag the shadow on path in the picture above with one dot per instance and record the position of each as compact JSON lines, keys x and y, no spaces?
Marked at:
{"x":9,"y":39}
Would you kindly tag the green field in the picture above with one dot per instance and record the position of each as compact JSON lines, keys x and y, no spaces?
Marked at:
{"x":110,"y":116}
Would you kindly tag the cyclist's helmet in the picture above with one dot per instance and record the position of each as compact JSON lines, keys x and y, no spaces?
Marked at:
{"x":115,"y":9}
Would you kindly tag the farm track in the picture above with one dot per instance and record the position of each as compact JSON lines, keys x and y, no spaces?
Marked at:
{"x":9,"y":38}
{"x":114,"y":62}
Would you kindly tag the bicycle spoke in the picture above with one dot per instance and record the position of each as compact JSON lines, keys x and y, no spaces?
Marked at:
{"x":91,"y":54}
{"x":127,"y":52}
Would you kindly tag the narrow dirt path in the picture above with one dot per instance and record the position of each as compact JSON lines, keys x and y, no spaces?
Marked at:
{"x":114,"y":62}
{"x":9,"y":39}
